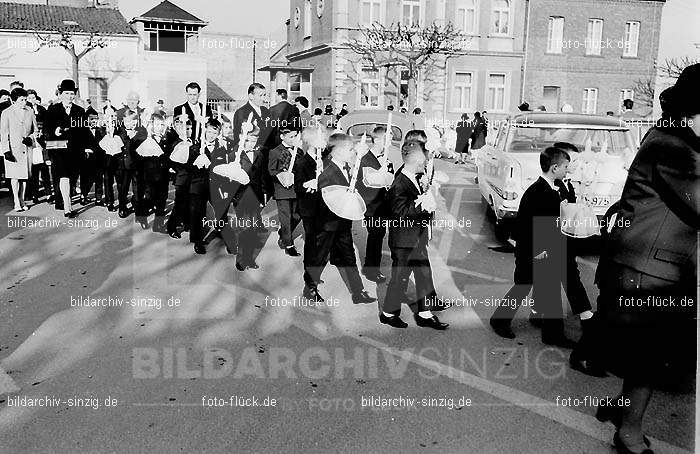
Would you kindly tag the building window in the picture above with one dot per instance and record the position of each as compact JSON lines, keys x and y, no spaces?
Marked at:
{"x":296,"y":84}
{"x":501,"y":17}
{"x":466,"y":16}
{"x":462,"y":91}
{"x":496,"y":95}
{"x":625,"y":93}
{"x":162,"y":37}
{"x":369,"y":88}
{"x":631,"y":39}
{"x":594,"y":36}
{"x":555,"y":35}
{"x":411,"y":12}
{"x":590,"y":101}
{"x":97,"y":91}
{"x":370,"y":12}
{"x":307,"y":19}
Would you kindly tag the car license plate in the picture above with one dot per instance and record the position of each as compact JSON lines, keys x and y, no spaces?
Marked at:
{"x":597,"y":200}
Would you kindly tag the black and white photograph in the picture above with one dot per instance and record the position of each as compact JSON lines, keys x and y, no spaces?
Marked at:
{"x":349,"y":226}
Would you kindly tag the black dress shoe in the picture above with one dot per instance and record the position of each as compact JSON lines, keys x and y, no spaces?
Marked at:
{"x":432,"y":322}
{"x":99,"y":203}
{"x":394,"y":321}
{"x":613,"y":414}
{"x":362,"y":298}
{"x":123,"y":214}
{"x":84,"y":201}
{"x":199,"y":248}
{"x":377,"y":277}
{"x":111,"y":207}
{"x":70,"y":214}
{"x":253,"y":266}
{"x":174,"y":235}
{"x":240,"y":266}
{"x":291,"y":251}
{"x":142,"y":221}
{"x":502,"y":328}
{"x":311,"y":293}
{"x":579,"y":362}
{"x":35,"y":201}
{"x":623,"y":449}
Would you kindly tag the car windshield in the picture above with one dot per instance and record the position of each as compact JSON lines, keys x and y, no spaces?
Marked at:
{"x":361,"y":128}
{"x":536,"y":139}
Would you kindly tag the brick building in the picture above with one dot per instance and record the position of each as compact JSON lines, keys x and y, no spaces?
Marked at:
{"x":512,"y":56}
{"x":486,"y":76}
{"x":589,"y":53}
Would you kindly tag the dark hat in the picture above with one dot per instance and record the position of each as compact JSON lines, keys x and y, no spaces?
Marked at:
{"x":684,"y":97}
{"x":67,"y":85}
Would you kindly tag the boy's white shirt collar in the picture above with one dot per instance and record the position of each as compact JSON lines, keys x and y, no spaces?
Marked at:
{"x":411,"y":176}
{"x":551,"y":182}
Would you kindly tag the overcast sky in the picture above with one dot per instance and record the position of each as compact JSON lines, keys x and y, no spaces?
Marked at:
{"x":256,"y":17}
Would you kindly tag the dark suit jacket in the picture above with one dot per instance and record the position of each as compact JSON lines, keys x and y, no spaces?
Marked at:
{"x":39,"y":112}
{"x":537,"y":229}
{"x":252,"y":195}
{"x":661,"y":201}
{"x":199,"y":178}
{"x":77,"y":134}
{"x":185,"y":108}
{"x":410,"y":224}
{"x":326,"y":220}
{"x":262,"y":121}
{"x":464,"y":132}
{"x":158,"y":168}
{"x":284,"y":115}
{"x":128,"y":159}
{"x":305,"y":170}
{"x":375,"y":198}
{"x":278,"y":164}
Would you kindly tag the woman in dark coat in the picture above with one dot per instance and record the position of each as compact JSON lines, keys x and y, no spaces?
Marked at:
{"x":647,"y":301}
{"x":479,"y":134}
{"x":464,"y":131}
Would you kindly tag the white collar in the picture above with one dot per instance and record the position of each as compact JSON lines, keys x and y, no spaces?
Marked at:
{"x":411,"y":176}
{"x":256,"y":108}
{"x":341,"y":166}
{"x":551,"y":183}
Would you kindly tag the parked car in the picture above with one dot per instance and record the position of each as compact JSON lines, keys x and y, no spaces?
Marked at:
{"x":363,"y":121}
{"x":509,"y":166}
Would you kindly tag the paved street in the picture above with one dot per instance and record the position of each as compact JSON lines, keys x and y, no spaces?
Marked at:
{"x":195,"y":343}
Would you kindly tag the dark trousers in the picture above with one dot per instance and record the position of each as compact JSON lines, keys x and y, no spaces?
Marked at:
{"x":405,"y":261}
{"x":197,"y":213}
{"x":540,"y":276}
{"x":336,"y":245}
{"x":91,"y":174}
{"x":138,"y":199}
{"x":573,"y":287}
{"x":39,"y":170}
{"x":309,"y":247}
{"x":179,"y":214}
{"x":156,"y":195}
{"x":125,"y":179}
{"x":221,"y":207}
{"x":109,"y":179}
{"x":288,"y":212}
{"x":248,"y":225}
{"x":376,"y":231}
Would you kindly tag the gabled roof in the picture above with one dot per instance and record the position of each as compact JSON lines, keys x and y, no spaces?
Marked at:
{"x":167,"y":11}
{"x":214,"y":92}
{"x":43,"y":18}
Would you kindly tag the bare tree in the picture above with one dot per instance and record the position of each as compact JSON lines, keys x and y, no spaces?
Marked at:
{"x":673,"y":67}
{"x":644,"y":91}
{"x":77,"y":44}
{"x":412,"y":47}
